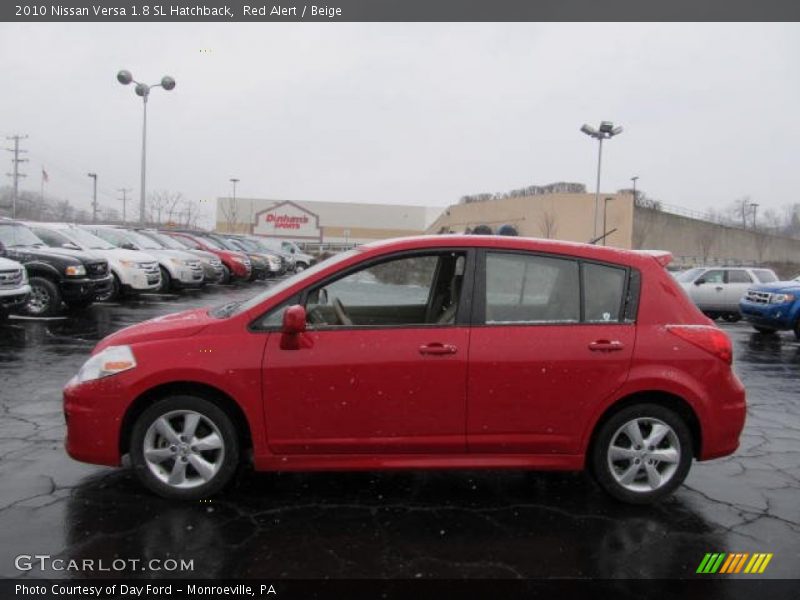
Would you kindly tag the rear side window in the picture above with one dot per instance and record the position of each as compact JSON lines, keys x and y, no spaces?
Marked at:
{"x":765,"y":275}
{"x":603,"y":289}
{"x":739,"y":276}
{"x":715,"y":276}
{"x":531,"y":289}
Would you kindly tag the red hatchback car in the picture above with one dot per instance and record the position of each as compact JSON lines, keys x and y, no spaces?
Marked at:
{"x":235,"y":265}
{"x":428,"y":352}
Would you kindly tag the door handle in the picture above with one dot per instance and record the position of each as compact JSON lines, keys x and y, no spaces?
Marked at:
{"x":437,"y":349}
{"x":718,"y":288}
{"x":606,"y":346}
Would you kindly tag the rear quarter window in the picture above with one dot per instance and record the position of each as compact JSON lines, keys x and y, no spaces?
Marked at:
{"x":603,"y":289}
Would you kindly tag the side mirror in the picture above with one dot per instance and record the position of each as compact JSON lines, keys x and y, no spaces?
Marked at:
{"x":700,"y":281}
{"x":128,"y":246}
{"x":70,"y":246}
{"x":294,"y":320}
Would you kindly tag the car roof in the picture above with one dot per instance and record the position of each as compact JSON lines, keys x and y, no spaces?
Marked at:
{"x":576,"y":249}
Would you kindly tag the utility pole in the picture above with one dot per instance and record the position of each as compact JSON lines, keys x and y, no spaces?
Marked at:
{"x":744,"y":212}
{"x":124,"y":199}
{"x":754,"y":206}
{"x":94,"y":197}
{"x":15,"y":174}
{"x":634,"y":179}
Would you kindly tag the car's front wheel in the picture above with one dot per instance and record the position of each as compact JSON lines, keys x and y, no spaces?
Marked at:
{"x":44,"y":299}
{"x":642,"y":453}
{"x":184,"y":447}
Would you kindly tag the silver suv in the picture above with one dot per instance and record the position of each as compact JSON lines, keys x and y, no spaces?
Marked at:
{"x":14,"y":287}
{"x":717,"y":290}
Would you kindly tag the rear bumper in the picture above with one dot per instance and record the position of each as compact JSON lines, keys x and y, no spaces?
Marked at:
{"x":724,"y":424}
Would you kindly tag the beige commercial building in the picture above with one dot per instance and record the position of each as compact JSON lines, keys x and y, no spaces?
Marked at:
{"x":322,"y":223}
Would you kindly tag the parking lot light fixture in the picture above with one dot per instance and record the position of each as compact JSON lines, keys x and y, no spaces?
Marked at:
{"x":143,"y":91}
{"x":606,"y":131}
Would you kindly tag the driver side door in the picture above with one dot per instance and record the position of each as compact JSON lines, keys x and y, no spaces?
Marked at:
{"x":384,"y":365}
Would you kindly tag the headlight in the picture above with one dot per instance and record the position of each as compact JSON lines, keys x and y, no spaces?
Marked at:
{"x":75,"y":271}
{"x":181,"y":262}
{"x":781,"y":298}
{"x":112,"y":360}
{"x":128,"y":263}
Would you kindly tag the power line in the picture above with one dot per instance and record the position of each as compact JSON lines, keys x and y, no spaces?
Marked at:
{"x":15,"y":175}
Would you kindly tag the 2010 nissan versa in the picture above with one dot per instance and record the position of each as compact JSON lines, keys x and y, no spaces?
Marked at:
{"x":423,"y":353}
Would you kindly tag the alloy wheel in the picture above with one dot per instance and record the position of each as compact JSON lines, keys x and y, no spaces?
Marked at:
{"x":38,"y":301}
{"x":184,"y":449}
{"x":644,"y":454}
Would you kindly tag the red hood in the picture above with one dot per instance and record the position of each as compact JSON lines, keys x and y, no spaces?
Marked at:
{"x":182,"y":324}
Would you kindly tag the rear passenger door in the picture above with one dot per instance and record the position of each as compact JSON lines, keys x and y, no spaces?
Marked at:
{"x":550,"y":340}
{"x":739,"y":281}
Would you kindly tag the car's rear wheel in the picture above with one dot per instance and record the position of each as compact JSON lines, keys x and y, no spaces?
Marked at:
{"x":184,"y":447}
{"x":44,"y":299}
{"x":642,"y":453}
{"x":760,"y":329}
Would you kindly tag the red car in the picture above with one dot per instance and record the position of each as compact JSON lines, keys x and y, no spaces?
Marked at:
{"x":235,"y":265}
{"x":428,"y":352}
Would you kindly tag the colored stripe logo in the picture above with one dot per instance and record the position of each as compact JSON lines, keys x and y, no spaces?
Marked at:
{"x":734,"y":562}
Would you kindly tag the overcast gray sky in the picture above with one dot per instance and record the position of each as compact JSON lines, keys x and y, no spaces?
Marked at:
{"x":407,"y":113}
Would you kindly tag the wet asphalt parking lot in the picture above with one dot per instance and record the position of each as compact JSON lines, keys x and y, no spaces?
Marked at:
{"x":400,"y":524}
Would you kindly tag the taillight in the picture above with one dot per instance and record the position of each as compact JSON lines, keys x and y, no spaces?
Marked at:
{"x":706,"y":337}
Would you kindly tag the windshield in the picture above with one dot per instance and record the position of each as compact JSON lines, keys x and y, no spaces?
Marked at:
{"x":85,"y":239}
{"x":225,"y":244}
{"x":18,"y":235}
{"x":210,"y":243}
{"x":689,"y":275}
{"x":144,"y":242}
{"x":165,"y":240}
{"x":235,"y":308}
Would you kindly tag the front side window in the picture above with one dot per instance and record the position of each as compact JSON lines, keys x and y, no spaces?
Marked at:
{"x":413,"y":290}
{"x":715,"y":276}
{"x":531,"y":289}
{"x":765,"y":275}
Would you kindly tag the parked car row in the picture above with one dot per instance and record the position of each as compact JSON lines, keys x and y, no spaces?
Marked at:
{"x":755,"y":294}
{"x":48,"y":265}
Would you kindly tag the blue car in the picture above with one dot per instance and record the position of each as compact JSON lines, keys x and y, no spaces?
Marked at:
{"x":773,"y":307}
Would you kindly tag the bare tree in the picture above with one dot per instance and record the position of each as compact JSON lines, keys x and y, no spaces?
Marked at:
{"x":230,"y":212}
{"x":548,"y":224}
{"x":706,"y":238}
{"x":762,"y":242}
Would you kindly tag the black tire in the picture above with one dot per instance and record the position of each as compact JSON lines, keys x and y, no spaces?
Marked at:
{"x":226,"y":275}
{"x":228,"y":460}
{"x":764,"y":330}
{"x":45,"y":298}
{"x":711,"y":315}
{"x":79,"y":304}
{"x":796,"y":329}
{"x":612,"y":429}
{"x":300,"y":267}
{"x":166,"y":281}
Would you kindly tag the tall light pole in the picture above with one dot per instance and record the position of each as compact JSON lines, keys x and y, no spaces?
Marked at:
{"x":634,"y":179}
{"x":143,"y":90}
{"x":233,"y":210}
{"x":605,"y":132}
{"x":754,"y":206}
{"x":94,"y":196}
{"x":124,"y":199}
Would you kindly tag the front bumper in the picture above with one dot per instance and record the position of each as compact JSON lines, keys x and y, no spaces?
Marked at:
{"x":774,"y":316}
{"x":92,"y":411}
{"x":189,"y":277}
{"x":139,"y":280}
{"x":84,"y":287}
{"x":12,"y":299}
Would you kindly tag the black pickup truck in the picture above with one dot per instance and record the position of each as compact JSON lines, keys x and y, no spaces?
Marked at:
{"x":56,"y":275}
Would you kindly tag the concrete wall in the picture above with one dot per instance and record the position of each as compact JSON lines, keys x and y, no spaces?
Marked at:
{"x":557,"y":216}
{"x":695,"y":241}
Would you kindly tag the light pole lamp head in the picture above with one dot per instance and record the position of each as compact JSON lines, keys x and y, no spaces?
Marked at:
{"x":589,"y":130}
{"x":142,"y":89}
{"x":606,"y":127}
{"x":124,"y":77}
{"x":168,"y":83}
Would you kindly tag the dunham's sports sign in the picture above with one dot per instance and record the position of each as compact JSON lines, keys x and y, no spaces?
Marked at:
{"x":288,"y":220}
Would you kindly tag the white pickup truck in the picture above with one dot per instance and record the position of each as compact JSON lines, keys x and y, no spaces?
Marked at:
{"x":14,"y":287}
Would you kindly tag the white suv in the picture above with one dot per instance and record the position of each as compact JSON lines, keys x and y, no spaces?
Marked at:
{"x":179,"y":269}
{"x":717,"y":290}
{"x":133,"y":271}
{"x":14,"y":288}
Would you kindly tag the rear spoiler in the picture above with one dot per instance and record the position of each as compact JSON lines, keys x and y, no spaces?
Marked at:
{"x":662,"y":256}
